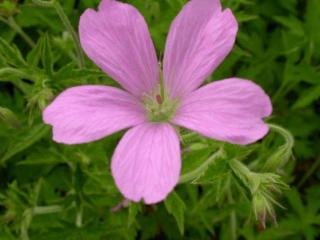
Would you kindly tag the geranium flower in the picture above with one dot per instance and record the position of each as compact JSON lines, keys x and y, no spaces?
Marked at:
{"x":147,"y":161}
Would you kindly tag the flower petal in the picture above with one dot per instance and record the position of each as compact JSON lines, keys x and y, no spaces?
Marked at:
{"x":200,"y":37}
{"x":88,"y":113}
{"x":229,"y":110}
{"x":117,"y":39}
{"x":146,"y":163}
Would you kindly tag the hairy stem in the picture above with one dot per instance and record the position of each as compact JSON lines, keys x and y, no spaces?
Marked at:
{"x":284,"y":133}
{"x":198,"y":171}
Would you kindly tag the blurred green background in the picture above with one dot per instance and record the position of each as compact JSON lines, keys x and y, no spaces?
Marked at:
{"x":50,"y":191}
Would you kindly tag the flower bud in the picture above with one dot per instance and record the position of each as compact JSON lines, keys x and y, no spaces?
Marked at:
{"x":262,"y":209}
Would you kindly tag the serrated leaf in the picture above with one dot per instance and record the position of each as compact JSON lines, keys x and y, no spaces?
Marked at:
{"x":175,"y":206}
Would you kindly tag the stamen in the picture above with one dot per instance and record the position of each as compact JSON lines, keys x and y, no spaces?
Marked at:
{"x":158,"y":105}
{"x":159,"y":99}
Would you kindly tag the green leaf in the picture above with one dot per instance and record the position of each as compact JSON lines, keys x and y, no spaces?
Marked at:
{"x":25,"y":140}
{"x":198,"y":171}
{"x":243,"y":17}
{"x":292,"y":23}
{"x":8,"y":6}
{"x":9,"y":117}
{"x":69,"y":72}
{"x":134,"y":209}
{"x":34,"y":56}
{"x":9,"y":73}
{"x":176,"y":207}
{"x":216,"y":171}
{"x":31,"y":16}
{"x":312,"y":19}
{"x":79,"y":178}
{"x":11,"y":53}
{"x":307,"y":97}
{"x":47,"y":56}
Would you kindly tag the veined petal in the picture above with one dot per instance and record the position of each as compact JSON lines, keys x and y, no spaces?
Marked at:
{"x":230,"y":110}
{"x":117,"y":39}
{"x":88,"y":113}
{"x":200,"y":37}
{"x":146,"y":163}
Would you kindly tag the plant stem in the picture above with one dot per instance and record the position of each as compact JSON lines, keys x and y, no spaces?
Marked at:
{"x":198,"y":171}
{"x":71,"y":31}
{"x":64,"y":18}
{"x":12,"y":23}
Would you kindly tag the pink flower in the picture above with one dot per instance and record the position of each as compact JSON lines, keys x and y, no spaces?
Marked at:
{"x":146,"y":163}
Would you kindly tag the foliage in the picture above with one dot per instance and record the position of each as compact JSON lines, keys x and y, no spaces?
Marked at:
{"x":52,"y":191}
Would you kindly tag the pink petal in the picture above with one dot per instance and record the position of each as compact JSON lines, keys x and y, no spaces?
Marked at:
{"x":117,"y":39}
{"x":146,"y":163}
{"x":229,"y":110}
{"x":88,"y":113}
{"x":200,"y":37}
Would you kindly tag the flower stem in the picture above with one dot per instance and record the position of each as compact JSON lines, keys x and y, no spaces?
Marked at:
{"x":198,"y":171}
{"x":12,"y":23}
{"x":283,"y":153}
{"x":284,"y":133}
{"x":64,"y":18}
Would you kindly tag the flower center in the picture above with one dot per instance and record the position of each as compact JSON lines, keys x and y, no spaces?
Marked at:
{"x":159,"y":106}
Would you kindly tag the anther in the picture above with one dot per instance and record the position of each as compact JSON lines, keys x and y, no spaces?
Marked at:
{"x":159,"y":99}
